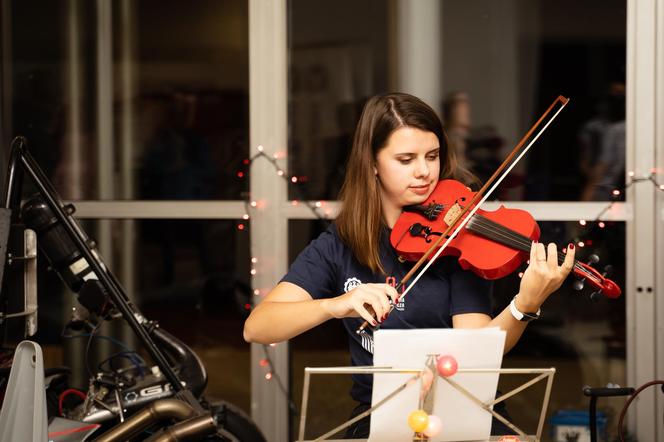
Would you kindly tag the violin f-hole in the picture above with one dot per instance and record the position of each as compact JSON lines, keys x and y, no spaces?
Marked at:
{"x":425,"y":232}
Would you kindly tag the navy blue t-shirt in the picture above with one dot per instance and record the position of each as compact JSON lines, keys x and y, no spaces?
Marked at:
{"x":326,"y":268}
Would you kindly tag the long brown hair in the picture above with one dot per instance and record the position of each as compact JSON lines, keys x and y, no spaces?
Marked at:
{"x":360,"y":221}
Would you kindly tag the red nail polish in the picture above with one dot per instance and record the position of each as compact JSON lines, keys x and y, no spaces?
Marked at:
{"x":571,"y":246}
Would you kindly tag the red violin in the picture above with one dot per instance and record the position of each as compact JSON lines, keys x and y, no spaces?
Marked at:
{"x":492,"y":244}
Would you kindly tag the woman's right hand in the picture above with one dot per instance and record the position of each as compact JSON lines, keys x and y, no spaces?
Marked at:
{"x":365,"y":300}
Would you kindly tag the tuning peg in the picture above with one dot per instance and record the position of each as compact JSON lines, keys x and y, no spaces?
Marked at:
{"x":595,"y":296}
{"x":578,"y":284}
{"x":593,"y":259}
{"x":608,"y":269}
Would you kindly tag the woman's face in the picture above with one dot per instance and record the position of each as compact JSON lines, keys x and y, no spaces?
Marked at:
{"x":408,"y":167}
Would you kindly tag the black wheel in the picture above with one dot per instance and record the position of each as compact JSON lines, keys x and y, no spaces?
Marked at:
{"x":234,"y":424}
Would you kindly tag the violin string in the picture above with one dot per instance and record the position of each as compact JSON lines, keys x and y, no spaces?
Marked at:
{"x":525,"y":247}
{"x":491,"y":229}
{"x":509,"y":236}
{"x":519,"y":241}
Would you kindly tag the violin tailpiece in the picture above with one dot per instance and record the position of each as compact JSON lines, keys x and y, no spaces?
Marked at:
{"x":431,"y":211}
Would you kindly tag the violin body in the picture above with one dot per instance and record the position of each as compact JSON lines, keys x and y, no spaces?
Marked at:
{"x":480,"y":253}
{"x":491,"y":244}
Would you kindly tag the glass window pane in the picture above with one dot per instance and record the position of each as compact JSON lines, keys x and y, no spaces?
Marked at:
{"x":501,"y":66}
{"x":583,"y":339}
{"x":178,"y":108}
{"x":338,"y":57}
{"x":192,"y":99}
{"x":36,"y":68}
{"x":197,"y":272}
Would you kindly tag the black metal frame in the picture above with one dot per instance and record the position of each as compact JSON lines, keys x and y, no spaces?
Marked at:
{"x":20,"y":156}
{"x":595,"y":393}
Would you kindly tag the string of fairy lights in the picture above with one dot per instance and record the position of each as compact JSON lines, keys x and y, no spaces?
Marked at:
{"x":322,"y":212}
{"x":320,"y":209}
{"x":616,"y":196}
{"x":633,"y":179}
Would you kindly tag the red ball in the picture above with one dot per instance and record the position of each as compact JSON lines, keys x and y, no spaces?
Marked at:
{"x":447,"y":366}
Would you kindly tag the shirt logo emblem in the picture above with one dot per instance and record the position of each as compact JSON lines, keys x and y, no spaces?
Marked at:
{"x":351,"y":283}
{"x":401,"y":305}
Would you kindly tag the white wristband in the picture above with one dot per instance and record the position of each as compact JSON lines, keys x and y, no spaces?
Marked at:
{"x":523,"y":316}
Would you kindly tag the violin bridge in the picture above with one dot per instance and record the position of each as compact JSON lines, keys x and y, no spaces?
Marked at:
{"x":452,"y":214}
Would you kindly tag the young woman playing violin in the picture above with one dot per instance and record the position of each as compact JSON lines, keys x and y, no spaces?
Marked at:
{"x":350,"y":271}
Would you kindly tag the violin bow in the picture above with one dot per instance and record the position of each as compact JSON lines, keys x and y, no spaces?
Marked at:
{"x":480,"y":197}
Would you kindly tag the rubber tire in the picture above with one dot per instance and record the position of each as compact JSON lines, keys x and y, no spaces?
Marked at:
{"x":236,"y":422}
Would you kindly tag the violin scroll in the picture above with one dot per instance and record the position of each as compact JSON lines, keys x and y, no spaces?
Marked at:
{"x":599,"y":281}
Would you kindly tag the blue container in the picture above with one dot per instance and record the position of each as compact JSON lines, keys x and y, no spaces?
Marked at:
{"x":574,"y":425}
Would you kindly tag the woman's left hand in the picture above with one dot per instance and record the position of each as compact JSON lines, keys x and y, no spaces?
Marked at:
{"x":543,"y":275}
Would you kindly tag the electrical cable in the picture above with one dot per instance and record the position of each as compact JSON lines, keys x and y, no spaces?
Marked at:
{"x":131,"y":356}
{"x":629,"y":401}
{"x":136,"y":359}
{"x":87,"y":349}
{"x":66,"y":393}
{"x":108,"y":338}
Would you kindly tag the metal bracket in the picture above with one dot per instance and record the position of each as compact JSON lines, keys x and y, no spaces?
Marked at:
{"x":29,"y":283}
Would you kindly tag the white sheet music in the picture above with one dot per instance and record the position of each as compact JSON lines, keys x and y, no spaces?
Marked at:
{"x":462,"y":419}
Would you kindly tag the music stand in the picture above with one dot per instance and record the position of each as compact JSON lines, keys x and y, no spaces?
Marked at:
{"x":468,"y":394}
{"x":542,"y":373}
